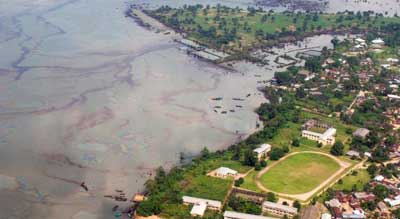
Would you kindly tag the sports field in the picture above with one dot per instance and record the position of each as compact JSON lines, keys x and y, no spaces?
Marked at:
{"x":299,"y":173}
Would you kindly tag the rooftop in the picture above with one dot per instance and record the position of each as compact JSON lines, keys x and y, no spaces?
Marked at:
{"x":262,"y":148}
{"x":199,"y":209}
{"x":194,"y":200}
{"x":225,"y":171}
{"x":361,"y":132}
{"x":280,"y":206}
{"x":237,"y":215}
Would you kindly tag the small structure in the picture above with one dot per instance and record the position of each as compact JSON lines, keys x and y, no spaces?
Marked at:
{"x":138,"y":198}
{"x":352,"y":153}
{"x":359,"y":41}
{"x":353,"y":216}
{"x":379,"y":178}
{"x":326,"y":216}
{"x":361,"y":133}
{"x":262,"y":151}
{"x":200,"y":205}
{"x":333,"y":203}
{"x":392,"y":60}
{"x":393,"y":202}
{"x":279,"y":209}
{"x":224,"y":172}
{"x":378,"y":43}
{"x":237,"y":215}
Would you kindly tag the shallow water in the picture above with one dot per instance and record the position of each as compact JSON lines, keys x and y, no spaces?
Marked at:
{"x":87,"y":95}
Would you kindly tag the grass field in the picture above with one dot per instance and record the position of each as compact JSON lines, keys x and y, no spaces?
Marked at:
{"x":299,"y":173}
{"x":359,"y":180}
{"x":249,"y":182}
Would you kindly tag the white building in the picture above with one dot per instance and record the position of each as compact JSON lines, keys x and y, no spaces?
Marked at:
{"x":262,"y":151}
{"x":224,"y":172}
{"x":200,"y":205}
{"x":278,"y":209}
{"x":237,"y":215}
{"x":393,"y":202}
{"x":326,"y":138}
{"x":377,"y":43}
{"x":359,"y":41}
{"x":326,"y":216}
{"x":379,"y":178}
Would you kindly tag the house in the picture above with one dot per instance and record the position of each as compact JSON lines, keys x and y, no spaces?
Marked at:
{"x":393,"y":202}
{"x":392,"y":60}
{"x":379,"y":178}
{"x":333,"y":203}
{"x":363,"y":196}
{"x":200,"y":205}
{"x":224,"y":172}
{"x":368,"y":154}
{"x":237,"y":215}
{"x":279,"y":209}
{"x":353,"y":216}
{"x":359,"y":41}
{"x":262,"y":151}
{"x":352,"y":153}
{"x":377,"y":43}
{"x":361,"y":133}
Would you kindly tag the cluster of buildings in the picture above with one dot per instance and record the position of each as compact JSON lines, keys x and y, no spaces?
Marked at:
{"x":327,"y":137}
{"x":361,"y":45}
{"x":201,"y":205}
{"x":348,"y":206}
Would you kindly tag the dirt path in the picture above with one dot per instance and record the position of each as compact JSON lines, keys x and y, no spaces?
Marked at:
{"x":304,"y":196}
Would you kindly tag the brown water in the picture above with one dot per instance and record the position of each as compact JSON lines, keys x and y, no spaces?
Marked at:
{"x":87,"y":95}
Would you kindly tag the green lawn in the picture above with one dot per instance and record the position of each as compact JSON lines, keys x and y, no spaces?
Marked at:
{"x":360,"y":179}
{"x":206,"y":187}
{"x":249,"y":182}
{"x":299,"y":173}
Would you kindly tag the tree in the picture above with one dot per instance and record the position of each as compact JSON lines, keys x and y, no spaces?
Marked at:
{"x":149,"y":207}
{"x":263,"y":163}
{"x":276,"y":154}
{"x":239,"y":182}
{"x":250,"y":158}
{"x":257,"y":167}
{"x":313,"y":64}
{"x":300,"y":93}
{"x":380,"y":192}
{"x":236,"y":153}
{"x":205,"y":153}
{"x":283,"y":77}
{"x":337,"y":149}
{"x":271,"y":197}
{"x":296,"y":142}
{"x":372,"y":169}
{"x":297,"y":204}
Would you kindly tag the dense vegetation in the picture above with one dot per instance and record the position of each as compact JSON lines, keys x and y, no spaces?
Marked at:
{"x":237,"y":29}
